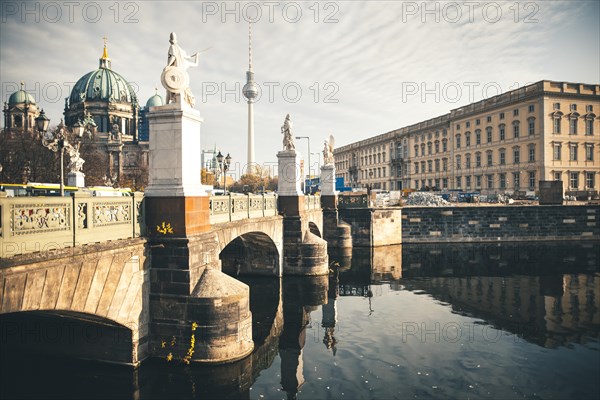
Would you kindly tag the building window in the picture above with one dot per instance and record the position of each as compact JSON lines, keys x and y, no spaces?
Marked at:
{"x":488,"y":131}
{"x":557,"y":151}
{"x":458,"y":127}
{"x":437,"y":165}
{"x":531,"y":108}
{"x":531,"y":126}
{"x":458,"y":160}
{"x":515,"y":112}
{"x":589,"y":126}
{"x":445,"y":145}
{"x":516,"y":179}
{"x":416,"y":183}
{"x":502,"y":131}
{"x":489,"y":158}
{"x":422,"y":167}
{"x":429,"y":166}
{"x":589,"y":152}
{"x":490,"y":181}
{"x":458,"y":141}
{"x":422,"y":149}
{"x":573,"y":152}
{"x":477,"y":121}
{"x":429,"y":148}
{"x":557,"y":176}
{"x":589,"y":108}
{"x":502,"y":153}
{"x":478,"y":181}
{"x":501,"y":115}
{"x":467,"y":161}
{"x":478,"y":159}
{"x":573,"y":126}
{"x":416,"y":150}
{"x":516,"y":155}
{"x":416,"y":168}
{"x":531,"y":180}
{"x":468,"y":124}
{"x":468,"y":182}
{"x":384,"y":171}
{"x":573,"y":107}
{"x":468,"y":139}
{"x":445,"y":183}
{"x":589,"y":180}
{"x":556,"y":106}
{"x":444,"y":164}
{"x":478,"y":136}
{"x":573,"y":180}
{"x":437,"y":146}
{"x":489,"y":118}
{"x":458,"y":182}
{"x":556,"y":124}
{"x":531,"y":153}
{"x":503,"y":180}
{"x":516,"y":129}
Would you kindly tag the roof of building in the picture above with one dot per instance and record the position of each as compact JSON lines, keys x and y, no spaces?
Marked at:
{"x":103,"y":84}
{"x":20,"y":96}
{"x":154,"y":101}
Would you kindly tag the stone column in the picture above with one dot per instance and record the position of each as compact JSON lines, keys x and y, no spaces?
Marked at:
{"x":303,"y":252}
{"x":198,"y":313}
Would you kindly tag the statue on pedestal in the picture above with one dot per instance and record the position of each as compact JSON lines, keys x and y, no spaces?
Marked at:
{"x":328,"y":151}
{"x":75,"y":162}
{"x":288,"y":136}
{"x":175,"y":77}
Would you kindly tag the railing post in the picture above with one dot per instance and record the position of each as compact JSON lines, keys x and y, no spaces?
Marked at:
{"x":264,"y":204}
{"x":248,"y":205}
{"x":230,"y":204}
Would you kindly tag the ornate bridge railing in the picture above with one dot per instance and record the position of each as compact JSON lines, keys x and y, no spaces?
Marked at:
{"x":237,"y":207}
{"x":312,"y":202}
{"x":353,"y":200}
{"x":35,"y":224}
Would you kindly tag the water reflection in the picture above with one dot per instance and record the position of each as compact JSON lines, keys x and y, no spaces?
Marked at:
{"x":312,"y":333}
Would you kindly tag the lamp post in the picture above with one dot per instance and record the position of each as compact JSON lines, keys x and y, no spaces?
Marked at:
{"x":308,"y":139}
{"x":58,"y":141}
{"x":224,"y":162}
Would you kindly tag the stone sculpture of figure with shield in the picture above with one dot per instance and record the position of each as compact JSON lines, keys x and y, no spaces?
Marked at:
{"x":328,"y":151}
{"x":288,"y":135}
{"x":175,"y":77}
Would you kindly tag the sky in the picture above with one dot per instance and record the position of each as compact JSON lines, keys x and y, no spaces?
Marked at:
{"x":353,"y":69}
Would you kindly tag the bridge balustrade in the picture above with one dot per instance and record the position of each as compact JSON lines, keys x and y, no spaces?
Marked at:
{"x":34,"y":224}
{"x":237,"y":207}
{"x":312,"y":202}
{"x":353,"y":200}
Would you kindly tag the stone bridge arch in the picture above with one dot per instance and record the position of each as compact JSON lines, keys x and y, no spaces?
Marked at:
{"x":251,"y":247}
{"x":106,"y":282}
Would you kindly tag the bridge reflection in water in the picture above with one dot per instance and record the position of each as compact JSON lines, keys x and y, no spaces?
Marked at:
{"x":546,"y":293}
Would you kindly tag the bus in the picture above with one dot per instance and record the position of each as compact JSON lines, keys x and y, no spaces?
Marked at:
{"x":53,"y":189}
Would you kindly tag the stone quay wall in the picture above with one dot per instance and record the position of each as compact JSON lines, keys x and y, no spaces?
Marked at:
{"x":502,"y":223}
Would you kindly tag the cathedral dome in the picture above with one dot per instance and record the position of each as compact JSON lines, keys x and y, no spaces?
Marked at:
{"x":20,"y":97}
{"x":154,"y":101}
{"x":103,"y":84}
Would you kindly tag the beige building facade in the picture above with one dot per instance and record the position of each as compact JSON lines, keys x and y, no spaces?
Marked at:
{"x":505,"y":144}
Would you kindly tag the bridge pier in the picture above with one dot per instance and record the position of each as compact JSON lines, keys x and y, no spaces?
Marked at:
{"x":304,"y":252}
{"x":198,"y":313}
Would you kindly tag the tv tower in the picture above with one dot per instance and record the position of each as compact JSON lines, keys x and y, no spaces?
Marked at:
{"x":250,"y":91}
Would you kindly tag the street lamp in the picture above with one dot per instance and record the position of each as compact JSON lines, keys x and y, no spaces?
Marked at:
{"x":58,"y":141}
{"x":308,"y":139}
{"x":224,"y":163}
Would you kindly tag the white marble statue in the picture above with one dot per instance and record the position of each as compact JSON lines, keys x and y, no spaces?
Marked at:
{"x":175,"y":77}
{"x":328,"y":151}
{"x":288,"y":134}
{"x":75,"y":162}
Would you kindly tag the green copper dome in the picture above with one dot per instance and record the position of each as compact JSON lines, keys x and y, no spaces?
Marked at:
{"x":19,"y":97}
{"x":103,"y":84}
{"x":154,"y":101}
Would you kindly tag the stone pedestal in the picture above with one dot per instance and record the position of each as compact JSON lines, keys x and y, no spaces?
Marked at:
{"x":76,"y":179}
{"x":175,"y":194}
{"x":328,"y":180}
{"x":289,"y":174}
